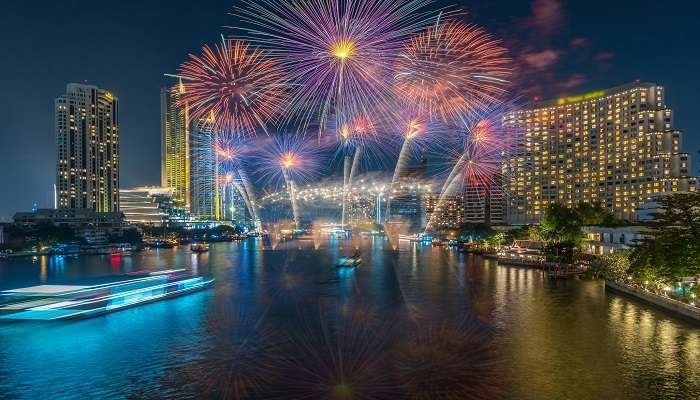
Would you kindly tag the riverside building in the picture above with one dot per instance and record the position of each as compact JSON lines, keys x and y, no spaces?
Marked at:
{"x":175,"y":144}
{"x":87,"y":138}
{"x":613,"y":147}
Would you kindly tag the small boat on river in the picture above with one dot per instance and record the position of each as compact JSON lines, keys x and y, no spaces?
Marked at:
{"x":199,"y":247}
{"x":350,"y":262}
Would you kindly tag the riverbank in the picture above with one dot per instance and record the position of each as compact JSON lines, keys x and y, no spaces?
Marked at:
{"x":675,"y":307}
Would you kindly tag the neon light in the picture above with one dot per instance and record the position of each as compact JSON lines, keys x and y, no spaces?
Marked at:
{"x":583,"y":97}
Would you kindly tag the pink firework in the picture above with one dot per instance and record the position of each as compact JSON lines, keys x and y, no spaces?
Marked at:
{"x":451,"y":71}
{"x":232,"y":87}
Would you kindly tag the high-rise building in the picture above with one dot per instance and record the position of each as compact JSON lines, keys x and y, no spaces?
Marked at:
{"x":204,"y":190}
{"x":485,"y":203}
{"x":446,"y":211}
{"x":175,"y":151}
{"x":87,"y":138}
{"x":612,"y":147}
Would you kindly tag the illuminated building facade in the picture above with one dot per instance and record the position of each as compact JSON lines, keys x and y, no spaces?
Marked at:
{"x":175,"y":152}
{"x":485,"y":204}
{"x":450,"y":213}
{"x":87,"y":138}
{"x":613,"y":147}
{"x":233,"y":207}
{"x":151,"y":206}
{"x":204,"y":188}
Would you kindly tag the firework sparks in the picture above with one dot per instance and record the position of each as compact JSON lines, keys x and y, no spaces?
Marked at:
{"x":452,"y":69}
{"x":340,"y":362}
{"x":233,"y":87}
{"x":294,"y":159}
{"x":450,"y":362}
{"x":476,"y":165}
{"x":338,"y":53}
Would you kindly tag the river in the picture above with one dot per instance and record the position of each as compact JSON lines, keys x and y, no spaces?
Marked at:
{"x":411,"y":322}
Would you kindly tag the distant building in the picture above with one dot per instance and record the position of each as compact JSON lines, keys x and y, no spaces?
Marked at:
{"x":90,"y":224}
{"x":87,"y":138}
{"x":407,"y":204}
{"x":448,"y":213}
{"x":602,"y":240}
{"x":204,"y":197}
{"x":175,"y":146}
{"x":406,"y":197}
{"x":612,"y":147}
{"x":233,"y":206}
{"x":485,"y":203}
{"x":151,"y":206}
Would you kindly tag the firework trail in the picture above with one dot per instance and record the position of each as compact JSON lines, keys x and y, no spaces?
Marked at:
{"x":231,"y":154}
{"x":478,"y":161}
{"x":338,"y":54}
{"x":451,"y":71}
{"x":233,"y":87}
{"x":353,"y":138}
{"x":418,"y":134}
{"x":292,"y":158}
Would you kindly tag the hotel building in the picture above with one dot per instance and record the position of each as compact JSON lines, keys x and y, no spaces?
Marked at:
{"x":87,"y":138}
{"x":175,"y":146}
{"x":615,"y":147}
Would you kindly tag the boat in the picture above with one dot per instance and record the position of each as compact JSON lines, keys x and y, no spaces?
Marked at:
{"x":199,"y":247}
{"x":350,"y":262}
{"x":122,"y":250}
{"x":162,"y":244}
{"x":63,"y":302}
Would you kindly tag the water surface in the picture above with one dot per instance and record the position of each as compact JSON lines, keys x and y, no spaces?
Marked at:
{"x":411,"y":322}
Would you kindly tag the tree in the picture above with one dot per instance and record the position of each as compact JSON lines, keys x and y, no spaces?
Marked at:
{"x":589,"y":214}
{"x":616,"y":266}
{"x":560,"y":224}
{"x":672,"y":249}
{"x":130,"y":235}
{"x":47,"y":233}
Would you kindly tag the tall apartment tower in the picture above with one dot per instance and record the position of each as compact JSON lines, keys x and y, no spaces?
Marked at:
{"x":87,"y":138}
{"x":204,"y":182}
{"x":175,"y":146}
{"x":613,"y":147}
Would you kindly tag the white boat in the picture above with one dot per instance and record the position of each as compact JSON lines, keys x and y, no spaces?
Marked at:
{"x":59,"y":302}
{"x":350,"y":262}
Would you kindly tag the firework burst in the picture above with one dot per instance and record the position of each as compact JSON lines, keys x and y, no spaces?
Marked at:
{"x":338,"y":53}
{"x":234,"y":88}
{"x":475,"y":165}
{"x":451,"y":70}
{"x":299,"y":157}
{"x":292,"y":158}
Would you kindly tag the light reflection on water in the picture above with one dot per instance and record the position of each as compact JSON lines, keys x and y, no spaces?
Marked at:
{"x":283,"y":323}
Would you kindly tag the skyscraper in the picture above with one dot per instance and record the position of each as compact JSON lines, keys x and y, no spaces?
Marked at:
{"x":613,"y":147}
{"x":204,"y":190}
{"x":87,"y":138}
{"x":175,"y":151}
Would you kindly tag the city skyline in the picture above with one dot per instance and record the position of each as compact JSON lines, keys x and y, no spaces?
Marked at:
{"x":161,"y":52}
{"x":349,"y":199}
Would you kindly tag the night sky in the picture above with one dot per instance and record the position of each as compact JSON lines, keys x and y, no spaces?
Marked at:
{"x":561,"y":47}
